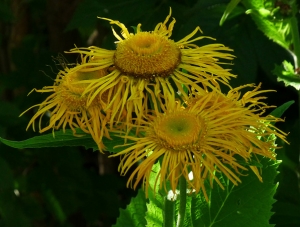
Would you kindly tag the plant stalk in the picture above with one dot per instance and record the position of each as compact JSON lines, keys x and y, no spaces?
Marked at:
{"x":169,"y":213}
{"x":296,"y":44}
{"x":182,"y":201}
{"x":295,"y":35}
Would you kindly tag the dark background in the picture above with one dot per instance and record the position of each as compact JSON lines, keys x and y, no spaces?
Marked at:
{"x":74,"y":187}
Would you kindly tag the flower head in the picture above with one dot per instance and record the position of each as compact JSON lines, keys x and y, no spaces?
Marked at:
{"x":211,"y":133}
{"x":67,"y":106}
{"x":149,"y":67}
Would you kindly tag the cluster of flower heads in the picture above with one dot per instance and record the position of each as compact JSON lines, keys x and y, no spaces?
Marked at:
{"x":168,"y":93}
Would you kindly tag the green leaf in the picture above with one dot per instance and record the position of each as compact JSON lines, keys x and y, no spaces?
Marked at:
{"x":279,"y":111}
{"x":154,"y":215}
{"x":116,"y":144}
{"x":134,"y":214}
{"x":54,"y":205}
{"x":185,"y":89}
{"x":248,"y":204}
{"x":67,"y":138}
{"x":252,"y":162}
{"x":286,"y":74}
{"x":188,"y":213}
{"x":266,"y":21}
{"x":58,"y":139}
{"x":156,"y":206}
{"x":231,"y":5}
{"x":187,"y":218}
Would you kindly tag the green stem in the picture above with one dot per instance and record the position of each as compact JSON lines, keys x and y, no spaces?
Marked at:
{"x":296,"y":44}
{"x":298,"y":168}
{"x":182,"y":201}
{"x":169,"y":212}
{"x":295,"y":35}
{"x":299,"y":106}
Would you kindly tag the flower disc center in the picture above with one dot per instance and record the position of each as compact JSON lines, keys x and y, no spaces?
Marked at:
{"x":70,"y":90}
{"x":72,"y":79}
{"x":146,"y":55}
{"x":179,"y":130}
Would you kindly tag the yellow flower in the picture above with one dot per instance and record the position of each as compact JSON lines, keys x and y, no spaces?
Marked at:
{"x":149,"y":65}
{"x":67,"y":106}
{"x":213,"y":132}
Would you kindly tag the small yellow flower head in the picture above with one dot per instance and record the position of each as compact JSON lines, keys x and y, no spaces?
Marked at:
{"x":211,"y":133}
{"x":67,"y":106}
{"x":149,"y":65}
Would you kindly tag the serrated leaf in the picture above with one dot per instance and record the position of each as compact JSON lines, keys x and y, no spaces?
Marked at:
{"x":187,"y":218}
{"x":276,"y":30}
{"x":286,"y":74}
{"x":252,"y":162}
{"x":248,"y":204}
{"x":272,"y":31}
{"x":134,"y":214}
{"x":288,"y":81}
{"x":154,"y":215}
{"x":67,"y":138}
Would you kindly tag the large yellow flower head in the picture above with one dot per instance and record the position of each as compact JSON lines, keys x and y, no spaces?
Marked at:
{"x":67,"y":106}
{"x":213,"y":132}
{"x":148,"y":65}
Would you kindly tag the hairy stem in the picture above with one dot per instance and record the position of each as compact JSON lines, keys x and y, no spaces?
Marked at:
{"x":169,"y":212}
{"x":182,"y":201}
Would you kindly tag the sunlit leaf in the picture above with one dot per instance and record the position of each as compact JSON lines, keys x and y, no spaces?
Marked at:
{"x":154,"y":215}
{"x":277,"y":30}
{"x":248,"y":204}
{"x":187,"y":218}
{"x":286,"y":74}
{"x":134,"y":214}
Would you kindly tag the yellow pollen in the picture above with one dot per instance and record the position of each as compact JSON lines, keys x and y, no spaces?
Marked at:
{"x":146,"y":55}
{"x":179,"y":131}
